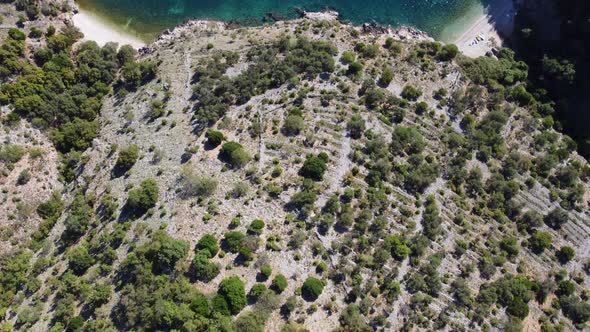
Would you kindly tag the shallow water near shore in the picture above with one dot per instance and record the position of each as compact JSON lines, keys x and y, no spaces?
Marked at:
{"x":147,"y":18}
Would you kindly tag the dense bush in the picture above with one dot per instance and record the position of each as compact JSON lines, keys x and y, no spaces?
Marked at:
{"x":386,"y":77}
{"x":256,"y":227}
{"x":162,"y":253}
{"x":540,"y":241}
{"x":208,"y":245}
{"x":406,"y":140}
{"x":294,"y":124}
{"x":356,"y":126}
{"x":576,"y":310}
{"x":556,"y":218}
{"x":512,"y":292}
{"x":312,"y":288}
{"x":80,"y":260}
{"x":203,"y":269}
{"x":78,"y":220}
{"x":233,"y":292}
{"x":127,"y":158}
{"x":272,"y":66}
{"x":411,"y":93}
{"x":214,"y":138}
{"x":448,"y":52}
{"x":279,"y":283}
{"x":233,"y":240}
{"x":234,"y":154}
{"x":143,"y":198}
{"x":431,"y":219}
{"x":75,"y":83}
{"x":314,"y":168}
{"x":565,"y":254}
{"x":506,"y":70}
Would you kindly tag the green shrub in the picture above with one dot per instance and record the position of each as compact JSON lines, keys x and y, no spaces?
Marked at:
{"x":208,"y":244}
{"x":80,"y":260}
{"x":448,"y":52}
{"x":232,"y":290}
{"x":294,"y":124}
{"x":11,"y":153}
{"x":348,"y":57}
{"x":101,"y":294}
{"x":214,"y":138}
{"x":421,"y":108}
{"x":219,"y":305}
{"x":370,"y":51}
{"x":12,"y":119}
{"x":565,"y":254}
{"x":565,"y":288}
{"x":79,"y":218}
{"x":202,"y":268}
{"x":393,"y":46}
{"x":386,"y":77}
{"x":312,"y":288}
{"x":313,"y":168}
{"x":406,"y":140}
{"x":200,"y":304}
{"x":52,"y":208}
{"x":76,"y":323}
{"x":556,"y":218}
{"x":234,"y":154}
{"x":256,"y":291}
{"x":279,"y":283}
{"x":256,"y":227}
{"x":265,"y":271}
{"x":411,"y":93}
{"x":510,"y":246}
{"x":576,"y":310}
{"x":143,"y":198}
{"x":397,"y":245}
{"x":356,"y":126}
{"x":233,"y":240}
{"x":127,"y":158}
{"x":355,"y":69}
{"x":24,"y":177}
{"x":303,"y":199}
{"x":540,"y":241}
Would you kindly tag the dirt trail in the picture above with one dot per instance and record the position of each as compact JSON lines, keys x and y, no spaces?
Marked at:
{"x":342,"y":166}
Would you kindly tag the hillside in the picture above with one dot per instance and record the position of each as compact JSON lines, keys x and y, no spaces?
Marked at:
{"x":305,"y":175}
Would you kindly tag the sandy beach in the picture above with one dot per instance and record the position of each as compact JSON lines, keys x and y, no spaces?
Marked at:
{"x":487,"y":31}
{"x":95,"y":28}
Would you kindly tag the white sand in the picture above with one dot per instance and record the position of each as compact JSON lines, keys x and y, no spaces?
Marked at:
{"x":95,"y":28}
{"x":490,"y":30}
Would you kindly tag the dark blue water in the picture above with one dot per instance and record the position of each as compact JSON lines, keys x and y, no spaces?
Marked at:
{"x":149,"y":17}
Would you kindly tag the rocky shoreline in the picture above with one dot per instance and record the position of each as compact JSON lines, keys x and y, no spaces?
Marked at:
{"x":403,"y":33}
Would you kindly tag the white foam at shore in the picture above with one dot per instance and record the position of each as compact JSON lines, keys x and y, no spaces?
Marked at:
{"x":101,"y":32}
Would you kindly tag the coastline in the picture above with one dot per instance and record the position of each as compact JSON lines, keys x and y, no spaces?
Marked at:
{"x":101,"y":31}
{"x":488,"y":31}
{"x":491,"y":24}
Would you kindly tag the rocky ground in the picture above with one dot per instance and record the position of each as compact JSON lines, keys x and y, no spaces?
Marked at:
{"x":171,"y":144}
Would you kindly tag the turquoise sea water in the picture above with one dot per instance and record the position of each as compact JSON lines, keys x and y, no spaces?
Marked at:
{"x":149,"y":17}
